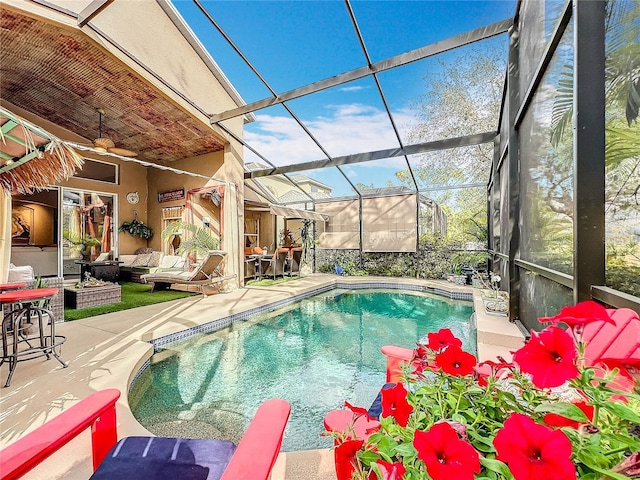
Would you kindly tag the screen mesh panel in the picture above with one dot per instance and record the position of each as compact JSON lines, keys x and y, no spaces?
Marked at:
{"x":389,"y":224}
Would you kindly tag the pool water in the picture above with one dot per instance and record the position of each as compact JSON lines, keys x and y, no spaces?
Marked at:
{"x":315,"y":353}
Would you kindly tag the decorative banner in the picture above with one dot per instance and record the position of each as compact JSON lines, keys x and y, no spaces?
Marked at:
{"x":171,"y":195}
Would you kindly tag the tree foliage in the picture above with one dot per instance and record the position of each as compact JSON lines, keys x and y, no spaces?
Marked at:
{"x":462,"y":97}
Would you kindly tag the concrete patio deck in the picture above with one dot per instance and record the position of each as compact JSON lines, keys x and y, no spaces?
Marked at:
{"x":106,"y":351}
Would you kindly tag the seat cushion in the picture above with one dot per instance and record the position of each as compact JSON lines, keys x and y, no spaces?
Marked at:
{"x":158,"y":458}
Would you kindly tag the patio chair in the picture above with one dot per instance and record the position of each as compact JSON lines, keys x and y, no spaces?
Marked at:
{"x":615,"y":345}
{"x":208,"y":272}
{"x":158,"y":458}
{"x":274,"y":266}
{"x":294,"y":262}
{"x":249,"y":268}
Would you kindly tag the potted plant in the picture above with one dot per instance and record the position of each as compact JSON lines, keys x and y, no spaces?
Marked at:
{"x":495,"y":301}
{"x":198,"y":242}
{"x":306,"y":239}
{"x":546,"y":415}
{"x":286,"y":238}
{"x":81,"y":245}
{"x":136,"y":228}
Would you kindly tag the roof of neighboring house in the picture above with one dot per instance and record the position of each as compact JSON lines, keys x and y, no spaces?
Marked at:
{"x":305,"y":179}
{"x":297,"y":196}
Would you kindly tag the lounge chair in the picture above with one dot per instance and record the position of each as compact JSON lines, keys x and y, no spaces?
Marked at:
{"x":208,"y":272}
{"x":272,"y":267}
{"x":136,"y":458}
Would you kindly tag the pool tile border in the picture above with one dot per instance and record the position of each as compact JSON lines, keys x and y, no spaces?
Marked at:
{"x":166,"y":341}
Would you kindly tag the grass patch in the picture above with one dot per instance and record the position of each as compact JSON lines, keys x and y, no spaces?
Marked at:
{"x":132,"y":295}
{"x":266,"y":282}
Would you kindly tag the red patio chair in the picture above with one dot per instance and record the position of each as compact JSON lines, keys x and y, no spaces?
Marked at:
{"x":611,"y":345}
{"x":151,"y":457}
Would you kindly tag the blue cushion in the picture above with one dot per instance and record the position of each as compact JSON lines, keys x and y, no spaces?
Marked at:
{"x":376,"y":407}
{"x":157,"y":458}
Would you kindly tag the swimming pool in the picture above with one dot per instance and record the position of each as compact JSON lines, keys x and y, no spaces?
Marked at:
{"x":315,"y":353}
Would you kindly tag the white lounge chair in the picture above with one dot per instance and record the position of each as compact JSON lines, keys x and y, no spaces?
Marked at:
{"x":208,"y":272}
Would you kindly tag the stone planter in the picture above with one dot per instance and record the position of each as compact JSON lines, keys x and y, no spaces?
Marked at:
{"x":460,"y":279}
{"x":495,"y":303}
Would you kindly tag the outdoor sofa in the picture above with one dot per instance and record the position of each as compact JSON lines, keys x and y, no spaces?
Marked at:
{"x":134,"y":266}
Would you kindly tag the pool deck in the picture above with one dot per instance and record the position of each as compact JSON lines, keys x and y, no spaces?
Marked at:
{"x":107,"y":351}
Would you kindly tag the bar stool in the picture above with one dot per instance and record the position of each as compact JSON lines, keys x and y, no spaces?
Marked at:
{"x":5,"y":287}
{"x":25,"y":343}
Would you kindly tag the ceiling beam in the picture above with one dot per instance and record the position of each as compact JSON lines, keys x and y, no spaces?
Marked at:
{"x":457,"y":142}
{"x":91,"y":10}
{"x":24,"y":159}
{"x":381,"y":66}
{"x":8,"y":126}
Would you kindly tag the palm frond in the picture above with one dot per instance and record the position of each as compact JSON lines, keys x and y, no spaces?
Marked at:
{"x":195,"y":239}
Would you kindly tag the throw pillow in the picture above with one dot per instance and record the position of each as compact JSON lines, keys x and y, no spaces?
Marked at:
{"x":103,"y":257}
{"x":127,"y":260}
{"x":154,"y":259}
{"x":20,"y":274}
{"x":141,"y":260}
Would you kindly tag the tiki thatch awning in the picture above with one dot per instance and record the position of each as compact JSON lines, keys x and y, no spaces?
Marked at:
{"x":30,"y":158}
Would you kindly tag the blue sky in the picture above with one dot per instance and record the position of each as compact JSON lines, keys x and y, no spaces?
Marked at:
{"x":296,"y":43}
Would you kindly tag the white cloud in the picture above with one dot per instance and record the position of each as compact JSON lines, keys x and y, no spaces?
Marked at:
{"x":354,"y":88}
{"x":344,"y":129}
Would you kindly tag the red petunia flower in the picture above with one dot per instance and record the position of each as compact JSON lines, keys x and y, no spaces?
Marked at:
{"x":580,"y":315}
{"x":345,"y":456}
{"x":445,"y":455}
{"x":441,"y":339}
{"x":533,"y":451}
{"x":420,"y":352}
{"x":455,"y":361}
{"x":394,"y":404}
{"x":389,"y":471}
{"x":359,"y":411}
{"x":555,"y":420}
{"x":549,"y":357}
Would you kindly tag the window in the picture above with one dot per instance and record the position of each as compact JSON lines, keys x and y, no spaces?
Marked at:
{"x":98,"y":171}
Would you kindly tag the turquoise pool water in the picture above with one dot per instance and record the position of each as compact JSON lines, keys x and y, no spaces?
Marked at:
{"x":316,"y":354}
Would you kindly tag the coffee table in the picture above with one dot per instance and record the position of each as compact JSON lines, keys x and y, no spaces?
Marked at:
{"x":91,"y":296}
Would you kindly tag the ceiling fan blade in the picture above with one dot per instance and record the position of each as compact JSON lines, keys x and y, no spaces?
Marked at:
{"x":123,"y":152}
{"x":103,"y":143}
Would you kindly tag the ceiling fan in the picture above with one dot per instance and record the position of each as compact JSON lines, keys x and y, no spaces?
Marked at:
{"x":105,"y":144}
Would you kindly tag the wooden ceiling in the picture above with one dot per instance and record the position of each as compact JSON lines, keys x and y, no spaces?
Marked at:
{"x":64,"y":77}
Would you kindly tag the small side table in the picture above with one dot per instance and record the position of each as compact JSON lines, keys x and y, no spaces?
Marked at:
{"x":19,"y":342}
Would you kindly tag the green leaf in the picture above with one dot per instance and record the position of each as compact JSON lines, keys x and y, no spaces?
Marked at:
{"x":567,"y":410}
{"x":622,"y":411}
{"x":496,"y":466}
{"x":456,"y":417}
{"x":404,"y":450}
{"x":368,"y":457}
{"x":608,"y":473}
{"x":632,"y":442}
